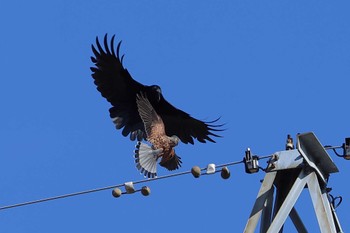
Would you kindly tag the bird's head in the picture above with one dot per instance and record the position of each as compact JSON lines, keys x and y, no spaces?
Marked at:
{"x":175,"y":139}
{"x":157,"y":91}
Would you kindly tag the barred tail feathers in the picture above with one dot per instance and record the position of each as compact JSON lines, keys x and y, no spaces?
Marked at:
{"x":146,"y":159}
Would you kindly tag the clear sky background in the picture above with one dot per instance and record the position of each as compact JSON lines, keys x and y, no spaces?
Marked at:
{"x":268,"y":68}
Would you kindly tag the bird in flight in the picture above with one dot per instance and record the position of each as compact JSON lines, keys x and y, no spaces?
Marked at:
{"x":162,"y":145}
{"x":115,"y":83}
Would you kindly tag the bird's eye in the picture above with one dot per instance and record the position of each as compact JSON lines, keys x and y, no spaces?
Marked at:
{"x":157,"y":88}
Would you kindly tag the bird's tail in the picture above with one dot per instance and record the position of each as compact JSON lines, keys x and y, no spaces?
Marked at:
{"x":146,"y":159}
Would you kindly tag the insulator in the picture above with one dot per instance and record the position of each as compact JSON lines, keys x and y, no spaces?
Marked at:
{"x":116,"y":192}
{"x":196,"y":171}
{"x":211,"y":168}
{"x":145,"y":191}
{"x":347,"y":149}
{"x":225,"y":173}
{"x":251,"y":162}
{"x":289,"y":143}
{"x":129,"y":187}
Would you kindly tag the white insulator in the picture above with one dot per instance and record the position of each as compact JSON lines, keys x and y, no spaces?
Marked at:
{"x":211,"y":168}
{"x":129,"y":187}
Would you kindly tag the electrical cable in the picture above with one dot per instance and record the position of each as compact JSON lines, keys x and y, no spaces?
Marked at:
{"x":107,"y":187}
{"x":328,"y":147}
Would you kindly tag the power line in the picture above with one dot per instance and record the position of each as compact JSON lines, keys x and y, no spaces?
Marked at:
{"x":250,"y":163}
{"x":59,"y":197}
{"x":112,"y":187}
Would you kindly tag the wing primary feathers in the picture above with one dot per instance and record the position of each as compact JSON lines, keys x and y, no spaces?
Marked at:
{"x":211,"y":126}
{"x":93,"y":60}
{"x":112,"y":46}
{"x":102,"y":52}
{"x":213,"y":121}
{"x":118,"y":48}
{"x":106,"y":45}
{"x":145,"y":110}
{"x":95,"y":53}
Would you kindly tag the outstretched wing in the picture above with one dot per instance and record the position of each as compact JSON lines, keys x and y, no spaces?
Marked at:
{"x":111,"y":78}
{"x":153,"y":124}
{"x":187,"y":128}
{"x":118,"y":87}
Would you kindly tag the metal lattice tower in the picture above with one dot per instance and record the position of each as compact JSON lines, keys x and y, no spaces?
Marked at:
{"x":288,"y":173}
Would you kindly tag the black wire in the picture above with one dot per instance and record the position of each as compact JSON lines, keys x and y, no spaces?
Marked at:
{"x":335,"y":152}
{"x":334,"y":199}
{"x":108,"y":187}
{"x":60,"y":197}
{"x":327,"y":147}
{"x":120,"y":185}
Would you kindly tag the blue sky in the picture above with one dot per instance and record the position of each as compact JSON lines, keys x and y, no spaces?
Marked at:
{"x":268,"y":68}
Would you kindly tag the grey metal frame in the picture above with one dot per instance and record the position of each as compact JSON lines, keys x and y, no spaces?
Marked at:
{"x":316,"y":166}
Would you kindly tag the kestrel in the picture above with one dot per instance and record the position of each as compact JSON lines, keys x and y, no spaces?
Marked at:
{"x":146,"y":156}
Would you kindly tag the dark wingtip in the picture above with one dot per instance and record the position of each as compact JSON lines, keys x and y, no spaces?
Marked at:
{"x":112,"y":46}
{"x":118,"y":48}
{"x":93,"y":59}
{"x":105,"y":42}
{"x":213,"y":127}
{"x":101,"y":51}
{"x":96,"y":53}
